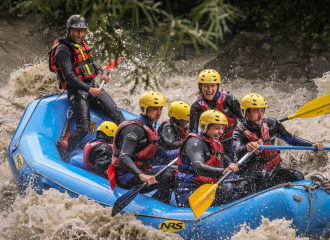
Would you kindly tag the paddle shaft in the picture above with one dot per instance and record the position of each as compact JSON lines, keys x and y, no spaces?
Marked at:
{"x":240,"y":162}
{"x":129,"y":197}
{"x":110,"y":69}
{"x":161,"y":171}
{"x":290,"y":147}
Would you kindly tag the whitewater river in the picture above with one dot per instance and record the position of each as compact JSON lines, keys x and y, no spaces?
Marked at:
{"x":24,"y":72}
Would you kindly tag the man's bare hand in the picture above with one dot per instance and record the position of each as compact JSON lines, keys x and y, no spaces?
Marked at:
{"x":319,"y":146}
{"x":254,"y":145}
{"x":232,"y":166}
{"x":95,"y":92}
{"x":150,"y":179}
{"x":105,"y":77}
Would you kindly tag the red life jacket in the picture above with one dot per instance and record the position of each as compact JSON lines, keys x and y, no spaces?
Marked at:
{"x":142,"y":159}
{"x":84,"y":66}
{"x":88,"y":148}
{"x":268,"y":158}
{"x":181,"y":132}
{"x":229,"y":129}
{"x":214,"y":161}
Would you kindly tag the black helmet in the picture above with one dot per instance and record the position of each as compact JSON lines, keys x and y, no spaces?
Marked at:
{"x":75,"y":21}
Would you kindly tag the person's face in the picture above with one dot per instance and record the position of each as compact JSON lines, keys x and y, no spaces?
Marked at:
{"x":78,"y":34}
{"x":154,"y":113}
{"x":255,"y":115}
{"x":183,"y":123}
{"x":215,"y":132}
{"x":209,"y":90}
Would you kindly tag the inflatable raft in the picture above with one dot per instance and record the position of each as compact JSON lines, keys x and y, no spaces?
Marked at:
{"x":34,"y":159}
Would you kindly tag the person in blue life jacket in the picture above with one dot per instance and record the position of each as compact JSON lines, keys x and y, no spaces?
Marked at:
{"x":98,"y":152}
{"x":72,"y":61}
{"x":263,"y":168}
{"x":211,"y":97}
{"x":135,"y":147}
{"x":202,"y":160}
{"x":172,"y":131}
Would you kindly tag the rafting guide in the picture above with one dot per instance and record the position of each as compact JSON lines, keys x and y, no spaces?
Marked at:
{"x":72,"y":61}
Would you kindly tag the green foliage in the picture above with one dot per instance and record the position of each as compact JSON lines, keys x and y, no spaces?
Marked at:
{"x":294,"y":21}
{"x":143,"y":32}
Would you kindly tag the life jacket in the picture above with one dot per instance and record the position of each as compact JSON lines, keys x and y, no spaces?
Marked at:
{"x":216,"y":160}
{"x":143,"y":159}
{"x":180,"y":133}
{"x":229,"y":129}
{"x":88,"y":148}
{"x":268,"y":158}
{"x":84,"y":66}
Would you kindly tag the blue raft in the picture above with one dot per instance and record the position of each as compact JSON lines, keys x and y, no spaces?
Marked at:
{"x":34,"y":159}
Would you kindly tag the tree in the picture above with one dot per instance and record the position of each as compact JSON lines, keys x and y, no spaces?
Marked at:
{"x":144,"y":32}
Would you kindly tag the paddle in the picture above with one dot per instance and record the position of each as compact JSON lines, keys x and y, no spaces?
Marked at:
{"x":203,"y":197}
{"x":128,"y":197}
{"x":317,"y":107}
{"x":109,"y":67}
{"x":290,"y":147}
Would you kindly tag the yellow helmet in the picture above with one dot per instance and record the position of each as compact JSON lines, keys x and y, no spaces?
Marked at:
{"x":108,"y":128}
{"x":212,"y":116}
{"x":209,"y":76}
{"x":179,"y":110}
{"x":152,"y":99}
{"x":253,"y":100}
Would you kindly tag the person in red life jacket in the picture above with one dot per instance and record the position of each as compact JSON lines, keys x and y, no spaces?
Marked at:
{"x":263,"y":167}
{"x":202,"y":160}
{"x":72,"y":61}
{"x":210,"y":97}
{"x":172,"y":131}
{"x":134,"y":148}
{"x":98,"y":152}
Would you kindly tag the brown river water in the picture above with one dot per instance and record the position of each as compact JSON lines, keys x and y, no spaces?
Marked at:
{"x":53,"y":215}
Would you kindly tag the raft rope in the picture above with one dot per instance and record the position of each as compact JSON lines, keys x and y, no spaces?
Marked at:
{"x":68,"y":117}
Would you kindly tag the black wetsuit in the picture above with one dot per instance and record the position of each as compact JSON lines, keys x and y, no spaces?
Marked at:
{"x":278,"y":174}
{"x":232,"y":108}
{"x":81,"y":101}
{"x":100,"y":156}
{"x":169,"y":136}
{"x":133,"y":139}
{"x":196,"y":152}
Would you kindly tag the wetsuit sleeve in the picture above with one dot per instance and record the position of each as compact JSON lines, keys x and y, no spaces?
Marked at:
{"x":131,"y":136}
{"x":196,"y":149}
{"x":101,"y":156}
{"x":168,"y":135}
{"x":195,"y":112}
{"x":64,"y":60}
{"x":234,"y":106}
{"x":283,"y":134}
{"x":167,"y":155}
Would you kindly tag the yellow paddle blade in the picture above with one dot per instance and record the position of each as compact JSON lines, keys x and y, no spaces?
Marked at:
{"x":317,"y":107}
{"x":202,"y":199}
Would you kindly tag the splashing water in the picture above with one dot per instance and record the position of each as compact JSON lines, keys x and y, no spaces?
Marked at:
{"x":54,"y":215}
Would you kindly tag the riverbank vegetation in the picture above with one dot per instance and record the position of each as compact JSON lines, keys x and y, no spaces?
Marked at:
{"x":161,"y":29}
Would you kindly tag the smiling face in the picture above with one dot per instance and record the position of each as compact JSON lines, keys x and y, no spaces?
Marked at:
{"x":78,"y":34}
{"x":215,"y":132}
{"x":209,"y":90}
{"x":154,"y":113}
{"x":254,"y":116}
